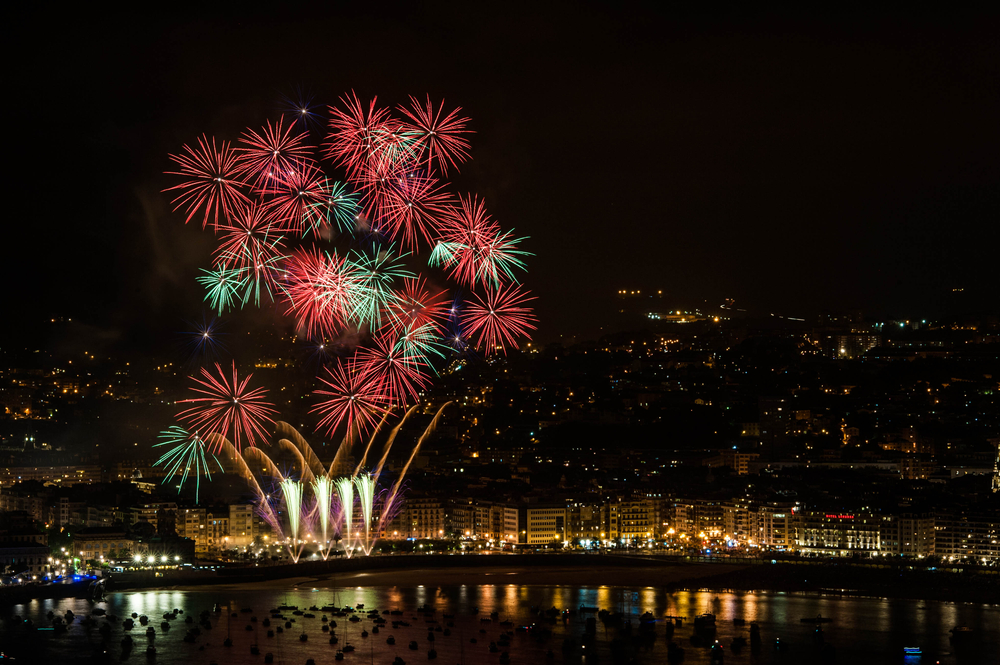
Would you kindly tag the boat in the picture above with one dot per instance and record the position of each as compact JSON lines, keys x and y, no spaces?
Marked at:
{"x":819,"y":618}
{"x":390,"y":640}
{"x":268,"y":658}
{"x":704,"y":620}
{"x":348,"y":647}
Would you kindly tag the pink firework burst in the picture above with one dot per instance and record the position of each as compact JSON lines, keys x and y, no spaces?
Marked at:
{"x":210,"y":182}
{"x":351,"y":397}
{"x":270,"y":154}
{"x":228,"y":408}
{"x":321,"y":289}
{"x":440,"y":136}
{"x":496,"y":320}
{"x":396,"y":374}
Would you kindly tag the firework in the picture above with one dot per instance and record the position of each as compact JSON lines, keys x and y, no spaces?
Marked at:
{"x":467,"y":232}
{"x":268,"y":155}
{"x":497,"y":259}
{"x":228,"y":408}
{"x":352,"y":398}
{"x":376,"y":272}
{"x":365,"y":485}
{"x":322,"y":290}
{"x":412,"y":208}
{"x":417,"y":305}
{"x":440,"y":138}
{"x":302,"y":109}
{"x":210,"y":184}
{"x":224,"y":286}
{"x":204,"y":340}
{"x":496,"y":320}
{"x":356,"y":134}
{"x":339,"y":211}
{"x":397,"y":375}
{"x":292,"y":491}
{"x":345,"y":491}
{"x":186,"y":454}
{"x":249,"y":243}
{"x":296,"y":196}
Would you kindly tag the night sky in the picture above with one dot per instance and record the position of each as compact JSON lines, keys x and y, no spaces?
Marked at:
{"x":794,"y":163}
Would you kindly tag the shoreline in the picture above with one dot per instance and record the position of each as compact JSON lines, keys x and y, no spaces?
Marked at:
{"x":834,"y":579}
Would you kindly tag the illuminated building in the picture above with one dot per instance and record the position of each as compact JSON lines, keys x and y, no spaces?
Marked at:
{"x":545,"y":525}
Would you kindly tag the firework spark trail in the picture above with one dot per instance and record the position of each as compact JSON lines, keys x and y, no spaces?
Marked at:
{"x":292,"y":491}
{"x":365,"y":485}
{"x":364,"y":457}
{"x":323,"y":491}
{"x":188,"y":452}
{"x":394,"y":493}
{"x":345,"y":490}
{"x":211,"y":182}
{"x":228,"y":407}
{"x":308,"y":454}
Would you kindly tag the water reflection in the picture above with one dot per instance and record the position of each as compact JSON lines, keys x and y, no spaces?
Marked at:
{"x":863,"y":630}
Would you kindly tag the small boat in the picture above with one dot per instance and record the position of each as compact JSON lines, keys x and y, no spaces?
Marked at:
{"x":704,"y":620}
{"x":339,"y":655}
{"x":303,"y":637}
{"x":819,"y":618}
{"x":413,"y":646}
{"x":254,"y":650}
{"x":390,"y":640}
{"x":268,"y":658}
{"x":348,"y":647}
{"x":150,"y":651}
{"x":432,"y":654}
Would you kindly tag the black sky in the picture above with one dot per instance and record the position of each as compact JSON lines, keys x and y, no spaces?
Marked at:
{"x":794,"y":162}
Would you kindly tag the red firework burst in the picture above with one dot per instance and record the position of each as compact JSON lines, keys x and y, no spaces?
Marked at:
{"x":469,"y":231}
{"x":356,"y":135}
{"x":211,"y":182}
{"x":228,"y":408}
{"x":320,"y":289}
{"x":353,"y":398}
{"x":298,"y":196}
{"x":496,"y":320}
{"x":249,"y":239}
{"x":271,"y":153}
{"x":397,"y":375}
{"x":414,"y":205}
{"x":416,"y":306}
{"x":440,"y":137}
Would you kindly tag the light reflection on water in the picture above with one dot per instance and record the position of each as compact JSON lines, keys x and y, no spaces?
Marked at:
{"x":863,"y":630}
